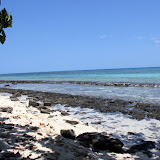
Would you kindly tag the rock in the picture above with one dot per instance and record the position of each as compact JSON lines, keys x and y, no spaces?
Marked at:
{"x":68,"y":133}
{"x":47,"y":103}
{"x":72,"y":122}
{"x":144,"y":146}
{"x":6,"y":85}
{"x":99,"y":122}
{"x":100,"y":141}
{"x":44,"y":111}
{"x":6,"y":109}
{"x":17,"y":94}
{"x":131,"y":133}
{"x":59,"y":139}
{"x":33,"y":103}
{"x":64,"y":113}
{"x":34,"y":128}
{"x":107,"y":143}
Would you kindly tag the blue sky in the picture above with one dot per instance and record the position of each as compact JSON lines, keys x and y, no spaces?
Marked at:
{"x":57,"y":35}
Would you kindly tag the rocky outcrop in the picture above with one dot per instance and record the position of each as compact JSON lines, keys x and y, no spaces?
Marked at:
{"x":144,"y":147}
{"x":140,"y":111}
{"x":100,"y":141}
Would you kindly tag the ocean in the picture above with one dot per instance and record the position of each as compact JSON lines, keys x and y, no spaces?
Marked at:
{"x":133,"y":93}
{"x":134,"y":75}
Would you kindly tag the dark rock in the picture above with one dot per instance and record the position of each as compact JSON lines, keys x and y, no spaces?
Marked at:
{"x":144,"y":146}
{"x":72,"y":122}
{"x":47,"y":103}
{"x":131,"y":133}
{"x":6,"y":109}
{"x":68,"y":133}
{"x":45,"y":111}
{"x":59,"y":139}
{"x":63,"y":113}
{"x":87,"y":137}
{"x":17,"y":94}
{"x":101,"y":142}
{"x":33,"y":103}
{"x":41,"y":107}
{"x":6,"y":85}
{"x":99,"y":122}
{"x":34,"y":128}
{"x":107,"y":143}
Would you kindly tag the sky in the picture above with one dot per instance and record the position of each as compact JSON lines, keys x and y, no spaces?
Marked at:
{"x":58,"y":35}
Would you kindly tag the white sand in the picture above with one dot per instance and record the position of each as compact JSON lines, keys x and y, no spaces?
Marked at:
{"x":49,"y":127}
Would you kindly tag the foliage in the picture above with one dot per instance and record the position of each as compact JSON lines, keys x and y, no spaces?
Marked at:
{"x":5,"y":22}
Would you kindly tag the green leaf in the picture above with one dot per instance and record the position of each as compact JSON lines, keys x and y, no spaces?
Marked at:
{"x":5,"y":22}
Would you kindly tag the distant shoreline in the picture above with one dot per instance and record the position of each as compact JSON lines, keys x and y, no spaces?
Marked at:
{"x":115,"y":84}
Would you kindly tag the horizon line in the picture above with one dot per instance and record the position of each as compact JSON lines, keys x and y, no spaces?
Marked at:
{"x":74,"y":70}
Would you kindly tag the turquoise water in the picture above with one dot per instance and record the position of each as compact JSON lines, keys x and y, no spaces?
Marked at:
{"x":135,"y":75}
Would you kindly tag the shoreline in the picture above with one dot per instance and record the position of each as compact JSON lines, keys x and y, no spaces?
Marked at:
{"x":136,"y":110}
{"x":27,"y":132}
{"x":115,"y":84}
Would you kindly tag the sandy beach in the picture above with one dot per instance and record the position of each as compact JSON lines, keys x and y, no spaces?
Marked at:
{"x":28,"y":132}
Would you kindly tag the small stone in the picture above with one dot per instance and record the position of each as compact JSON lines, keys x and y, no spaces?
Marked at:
{"x":72,"y":122}
{"x":40,"y":133}
{"x":45,"y":111}
{"x":42,"y":124}
{"x":59,"y":139}
{"x":33,"y":103}
{"x":6,"y":85}
{"x":34,"y":128}
{"x":17,"y":94}
{"x":99,"y":122}
{"x":6,"y":109}
{"x":131,"y":133}
{"x":47,"y":103}
{"x":68,"y":133}
{"x":63,"y":113}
